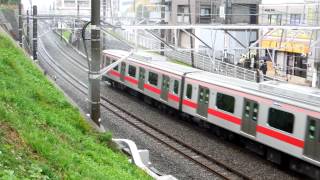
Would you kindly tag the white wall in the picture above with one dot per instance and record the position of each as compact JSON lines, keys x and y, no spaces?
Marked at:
{"x":217,"y":40}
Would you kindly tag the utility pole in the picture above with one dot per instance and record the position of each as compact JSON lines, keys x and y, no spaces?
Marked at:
{"x":20,"y":24}
{"x":134,"y":7}
{"x":104,"y":9}
{"x":94,"y":83}
{"x":77,"y":25}
{"x":104,"y":6}
{"x":35,"y":33}
{"x":318,"y":71}
{"x":191,"y":38}
{"x":227,"y":20}
{"x":78,"y":12}
{"x":316,"y":68}
{"x":28,"y":27}
{"x":61,"y":33}
{"x":162,"y":31}
{"x":228,"y":12}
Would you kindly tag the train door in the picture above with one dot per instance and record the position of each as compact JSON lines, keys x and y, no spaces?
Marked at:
{"x":203,"y":101}
{"x":123,"y":71}
{"x":142,"y":77}
{"x":165,"y":87}
{"x":312,"y":139}
{"x":250,"y":117}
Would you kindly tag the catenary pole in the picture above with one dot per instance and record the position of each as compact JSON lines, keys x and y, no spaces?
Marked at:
{"x":94,"y":83}
{"x":162,"y":31}
{"x":28,"y":27}
{"x":228,"y":12}
{"x":35,"y":33}
{"x":191,"y":38}
{"x":20,"y":23}
{"x":316,"y":68}
{"x":104,"y":10}
{"x":77,"y":25}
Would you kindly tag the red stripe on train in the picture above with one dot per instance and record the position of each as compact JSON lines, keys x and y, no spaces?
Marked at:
{"x":152,"y":89}
{"x":224,"y":116}
{"x":174,"y":97}
{"x":114,"y":73}
{"x":280,"y":136}
{"x":190,"y":103}
{"x":131,"y":80}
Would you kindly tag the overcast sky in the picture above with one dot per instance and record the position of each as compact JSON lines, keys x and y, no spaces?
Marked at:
{"x":42,"y":4}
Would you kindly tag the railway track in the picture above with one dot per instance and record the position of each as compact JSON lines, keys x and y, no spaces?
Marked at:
{"x":220,"y":169}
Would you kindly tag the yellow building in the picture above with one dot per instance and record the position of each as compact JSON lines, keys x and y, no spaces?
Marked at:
{"x":291,"y":51}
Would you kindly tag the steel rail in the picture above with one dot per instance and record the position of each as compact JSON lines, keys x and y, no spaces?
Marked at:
{"x":177,"y":145}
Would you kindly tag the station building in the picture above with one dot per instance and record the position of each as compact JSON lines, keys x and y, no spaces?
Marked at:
{"x":293,"y":53}
{"x":210,"y":12}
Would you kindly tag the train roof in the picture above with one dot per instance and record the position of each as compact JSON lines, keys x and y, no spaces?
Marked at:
{"x":154,"y":60}
{"x":306,"y":95}
{"x":301,"y":93}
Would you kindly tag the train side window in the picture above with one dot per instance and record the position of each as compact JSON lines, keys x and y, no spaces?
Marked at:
{"x":312,"y":129}
{"x":281,"y":120}
{"x":153,"y":78}
{"x":247,"y":109}
{"x":176,"y":87}
{"x":117,"y":67}
{"x":132,"y":71}
{"x":225,"y":102}
{"x":255,"y":112}
{"x":189,"y":91}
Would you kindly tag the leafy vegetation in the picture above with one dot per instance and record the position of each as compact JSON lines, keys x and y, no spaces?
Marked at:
{"x":66,"y":34}
{"x":42,"y":136}
{"x":9,"y":1}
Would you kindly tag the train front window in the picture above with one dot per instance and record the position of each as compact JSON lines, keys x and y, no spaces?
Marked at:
{"x":176,"y":87}
{"x":153,"y":78}
{"x":225,"y":102}
{"x":132,"y":71}
{"x":281,"y":120}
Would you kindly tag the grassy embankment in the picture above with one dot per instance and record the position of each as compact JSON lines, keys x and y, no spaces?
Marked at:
{"x":42,"y":136}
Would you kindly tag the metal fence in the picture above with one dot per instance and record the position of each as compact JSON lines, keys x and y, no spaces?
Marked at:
{"x":202,"y":62}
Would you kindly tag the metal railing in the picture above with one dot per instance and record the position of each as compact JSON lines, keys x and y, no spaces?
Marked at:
{"x":201,"y":61}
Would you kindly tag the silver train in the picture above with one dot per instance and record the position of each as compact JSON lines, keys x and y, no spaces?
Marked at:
{"x":277,"y":120}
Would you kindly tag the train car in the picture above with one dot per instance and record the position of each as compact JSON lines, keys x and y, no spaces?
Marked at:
{"x":281,"y":116}
{"x":154,"y":77}
{"x":272,"y":118}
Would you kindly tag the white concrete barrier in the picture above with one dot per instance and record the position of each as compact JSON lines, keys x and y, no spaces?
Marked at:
{"x":141,"y":158}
